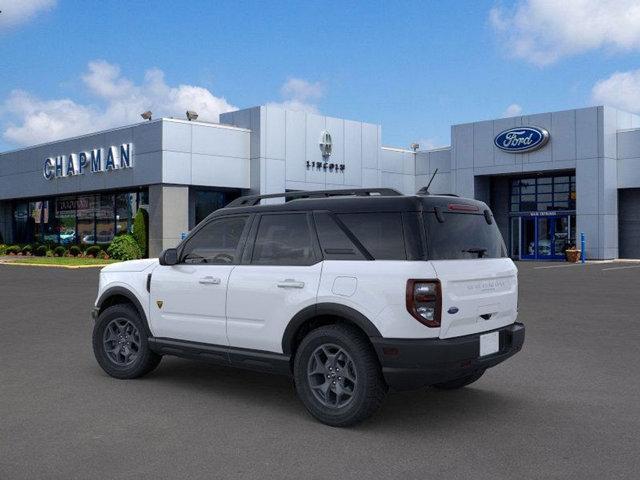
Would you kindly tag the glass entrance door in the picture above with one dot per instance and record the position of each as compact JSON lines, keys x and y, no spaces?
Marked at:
{"x":528,"y":236}
{"x":544,"y":238}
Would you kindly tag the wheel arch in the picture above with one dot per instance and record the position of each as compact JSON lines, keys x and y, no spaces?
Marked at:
{"x":324,"y":314}
{"x":120,"y":295}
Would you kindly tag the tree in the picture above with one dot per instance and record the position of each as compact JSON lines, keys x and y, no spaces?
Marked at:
{"x":140,"y":229}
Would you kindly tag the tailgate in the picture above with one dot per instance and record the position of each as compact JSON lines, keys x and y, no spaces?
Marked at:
{"x":484,"y":292}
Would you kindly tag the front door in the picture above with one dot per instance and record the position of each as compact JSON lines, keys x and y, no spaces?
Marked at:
{"x":188,"y":300}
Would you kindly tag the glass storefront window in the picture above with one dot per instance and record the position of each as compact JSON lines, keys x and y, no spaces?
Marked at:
{"x":38,"y":216}
{"x":66,"y":219}
{"x":125,"y":211}
{"x":20,"y":215}
{"x":543,"y":193}
{"x":105,"y":225}
{"x":87,"y":219}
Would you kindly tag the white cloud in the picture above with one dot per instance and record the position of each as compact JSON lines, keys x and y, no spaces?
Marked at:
{"x":15,"y":12}
{"x":512,"y":110}
{"x":543,"y":31}
{"x":27,"y":119}
{"x":621,"y":90}
{"x":300,"y":95}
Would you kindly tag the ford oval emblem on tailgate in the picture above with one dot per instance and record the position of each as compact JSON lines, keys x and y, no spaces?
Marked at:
{"x":453,"y":310}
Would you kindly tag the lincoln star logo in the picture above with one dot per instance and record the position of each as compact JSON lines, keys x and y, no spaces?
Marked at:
{"x":521,"y":139}
{"x":159,"y":303}
{"x":325,"y":143}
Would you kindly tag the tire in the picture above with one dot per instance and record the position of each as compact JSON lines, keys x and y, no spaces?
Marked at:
{"x":123,"y":352}
{"x":459,"y":382}
{"x":360,"y":384}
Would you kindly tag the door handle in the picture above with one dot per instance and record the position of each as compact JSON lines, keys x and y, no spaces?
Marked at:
{"x":290,"y":283}
{"x":209,"y":281}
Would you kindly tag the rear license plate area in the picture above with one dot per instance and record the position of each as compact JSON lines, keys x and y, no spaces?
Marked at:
{"x":489,"y":343}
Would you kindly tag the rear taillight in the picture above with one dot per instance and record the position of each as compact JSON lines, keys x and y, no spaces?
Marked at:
{"x":424,"y":301}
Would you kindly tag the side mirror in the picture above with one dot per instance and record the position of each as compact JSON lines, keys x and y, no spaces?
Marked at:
{"x":169,"y":257}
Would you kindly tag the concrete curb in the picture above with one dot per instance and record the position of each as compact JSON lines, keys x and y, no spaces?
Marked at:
{"x":24,"y":264}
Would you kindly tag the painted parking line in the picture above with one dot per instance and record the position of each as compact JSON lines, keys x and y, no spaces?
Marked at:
{"x":620,"y":268}
{"x":559,"y":266}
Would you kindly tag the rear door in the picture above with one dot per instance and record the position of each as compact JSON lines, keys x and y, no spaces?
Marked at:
{"x":188,"y":300}
{"x":479,"y":283}
{"x":278,"y":278}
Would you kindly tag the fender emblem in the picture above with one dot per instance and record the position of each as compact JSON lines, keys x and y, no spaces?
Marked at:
{"x":159,"y":303}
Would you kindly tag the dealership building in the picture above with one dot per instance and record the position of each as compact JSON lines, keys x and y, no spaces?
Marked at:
{"x":547,"y":177}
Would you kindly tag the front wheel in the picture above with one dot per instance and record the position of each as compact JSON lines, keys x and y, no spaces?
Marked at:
{"x":337,"y":376}
{"x":120,"y":344}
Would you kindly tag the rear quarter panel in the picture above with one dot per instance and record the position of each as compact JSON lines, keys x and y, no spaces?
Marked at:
{"x":377,"y":289}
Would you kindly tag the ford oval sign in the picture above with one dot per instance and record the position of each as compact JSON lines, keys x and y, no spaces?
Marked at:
{"x":521,"y":139}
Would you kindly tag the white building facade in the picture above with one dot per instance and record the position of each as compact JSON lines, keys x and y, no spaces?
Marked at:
{"x":582,"y":176}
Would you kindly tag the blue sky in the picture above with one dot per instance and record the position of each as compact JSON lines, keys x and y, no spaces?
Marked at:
{"x":414,"y":67}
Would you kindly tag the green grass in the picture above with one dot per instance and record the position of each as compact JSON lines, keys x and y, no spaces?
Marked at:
{"x":64,"y":261}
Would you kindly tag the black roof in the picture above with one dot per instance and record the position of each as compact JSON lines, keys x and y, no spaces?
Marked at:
{"x":386,"y":201}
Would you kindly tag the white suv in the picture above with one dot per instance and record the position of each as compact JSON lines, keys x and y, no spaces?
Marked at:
{"x":349,"y":292}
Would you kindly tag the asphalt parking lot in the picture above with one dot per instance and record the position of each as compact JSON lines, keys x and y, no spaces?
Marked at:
{"x":567,"y":406}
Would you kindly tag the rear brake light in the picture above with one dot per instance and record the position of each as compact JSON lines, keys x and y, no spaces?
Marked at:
{"x":424,"y":301}
{"x":461,"y":207}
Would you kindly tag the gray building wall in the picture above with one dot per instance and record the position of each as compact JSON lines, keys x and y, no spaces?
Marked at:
{"x":584,"y":139}
{"x":168,"y":155}
{"x":265,"y":149}
{"x":628,"y":155}
{"x":283,"y":141}
{"x":427,"y":162}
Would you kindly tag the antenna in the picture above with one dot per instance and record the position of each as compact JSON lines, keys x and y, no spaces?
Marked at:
{"x":432,"y":177}
{"x":425,"y":190}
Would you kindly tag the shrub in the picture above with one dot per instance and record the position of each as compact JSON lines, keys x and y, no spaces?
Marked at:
{"x":103,"y":255}
{"x":93,"y":251}
{"x":140,"y":229}
{"x":12,"y":250}
{"x":41,"y":251}
{"x":3,"y":249}
{"x":49,"y":253}
{"x":27,"y":249}
{"x":59,"y":251}
{"x":74,"y":251}
{"x":124,"y":247}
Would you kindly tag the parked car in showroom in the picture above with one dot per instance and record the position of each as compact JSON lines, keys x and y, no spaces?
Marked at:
{"x":349,"y":292}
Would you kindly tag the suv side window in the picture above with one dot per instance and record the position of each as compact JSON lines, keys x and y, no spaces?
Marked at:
{"x":334,"y":242}
{"x":284,"y":239}
{"x":380,"y":233}
{"x":218,"y":242}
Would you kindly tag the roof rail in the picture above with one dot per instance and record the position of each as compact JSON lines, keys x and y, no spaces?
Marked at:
{"x":251,"y":200}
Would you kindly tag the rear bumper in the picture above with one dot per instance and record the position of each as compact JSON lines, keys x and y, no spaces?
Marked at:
{"x":409,"y":364}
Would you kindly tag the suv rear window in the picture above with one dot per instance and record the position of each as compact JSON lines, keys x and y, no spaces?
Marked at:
{"x":463,"y":236}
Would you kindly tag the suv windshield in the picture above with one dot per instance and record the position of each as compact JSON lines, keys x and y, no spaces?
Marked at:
{"x":463,"y":236}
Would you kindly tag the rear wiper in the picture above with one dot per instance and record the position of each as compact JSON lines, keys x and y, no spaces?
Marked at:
{"x":479,"y":251}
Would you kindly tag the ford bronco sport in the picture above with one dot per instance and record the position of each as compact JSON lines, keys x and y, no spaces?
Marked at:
{"x":350,"y":292}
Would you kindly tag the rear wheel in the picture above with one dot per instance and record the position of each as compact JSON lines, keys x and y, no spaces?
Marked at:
{"x":337,"y":376}
{"x":120,"y":343}
{"x":460,"y":382}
